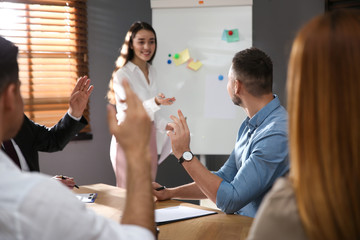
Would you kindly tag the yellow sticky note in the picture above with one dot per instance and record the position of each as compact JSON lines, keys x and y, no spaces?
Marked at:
{"x":194,"y":65}
{"x":183,"y":57}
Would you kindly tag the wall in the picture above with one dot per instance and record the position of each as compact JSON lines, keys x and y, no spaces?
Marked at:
{"x":88,"y":161}
{"x":275,"y":23}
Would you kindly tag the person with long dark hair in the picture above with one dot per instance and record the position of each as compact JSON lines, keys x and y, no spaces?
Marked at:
{"x":134,"y":64}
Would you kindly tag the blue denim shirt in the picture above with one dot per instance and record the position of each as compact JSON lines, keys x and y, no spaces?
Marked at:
{"x":260,"y":156}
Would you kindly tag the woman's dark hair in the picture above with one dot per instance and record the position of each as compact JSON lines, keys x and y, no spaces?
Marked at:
{"x":127,"y":53}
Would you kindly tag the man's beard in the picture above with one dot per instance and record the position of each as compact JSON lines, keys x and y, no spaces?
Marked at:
{"x":236,"y":100}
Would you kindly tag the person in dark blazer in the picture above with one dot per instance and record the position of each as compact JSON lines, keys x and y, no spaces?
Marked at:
{"x":33,"y":137}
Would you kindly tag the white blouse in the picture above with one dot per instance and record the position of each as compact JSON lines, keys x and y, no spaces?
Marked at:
{"x":146,"y":92}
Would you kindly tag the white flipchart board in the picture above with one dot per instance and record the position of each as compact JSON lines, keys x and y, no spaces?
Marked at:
{"x":179,"y":24}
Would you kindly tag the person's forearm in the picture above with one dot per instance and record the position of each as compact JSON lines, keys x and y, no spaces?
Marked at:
{"x":188,"y":191}
{"x":207,"y":182}
{"x":139,"y":209}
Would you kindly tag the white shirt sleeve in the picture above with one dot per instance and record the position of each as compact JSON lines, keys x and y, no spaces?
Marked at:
{"x":136,"y":84}
{"x":151,"y":107}
{"x":75,"y":118}
{"x":51,"y":211}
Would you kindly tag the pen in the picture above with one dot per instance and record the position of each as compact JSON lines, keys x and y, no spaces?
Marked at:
{"x":160,"y":188}
{"x":62,"y":177}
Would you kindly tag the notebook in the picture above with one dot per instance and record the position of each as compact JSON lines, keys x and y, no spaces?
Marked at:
{"x":179,"y":213}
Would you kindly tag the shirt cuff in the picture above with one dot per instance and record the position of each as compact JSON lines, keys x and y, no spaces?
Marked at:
{"x":75,"y":118}
{"x":222,"y":197}
{"x":151,"y":107}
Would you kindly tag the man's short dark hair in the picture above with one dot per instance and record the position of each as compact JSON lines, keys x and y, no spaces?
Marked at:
{"x":9,"y":69}
{"x":254,"y":69}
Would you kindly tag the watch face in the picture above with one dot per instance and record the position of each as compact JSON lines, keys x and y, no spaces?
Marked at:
{"x":187,"y":156}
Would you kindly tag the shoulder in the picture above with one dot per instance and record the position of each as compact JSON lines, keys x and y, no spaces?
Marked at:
{"x":278,"y":118}
{"x":129,"y":71}
{"x":28,"y":131}
{"x":275,"y":124}
{"x":42,"y":207}
{"x":278,"y":217}
{"x":280,"y":203}
{"x":123,"y":72}
{"x":49,"y":203}
{"x":28,"y":123}
{"x":53,"y":194}
{"x":281,"y":191}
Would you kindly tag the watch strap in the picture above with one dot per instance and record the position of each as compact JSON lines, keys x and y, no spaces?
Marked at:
{"x":181,"y":160}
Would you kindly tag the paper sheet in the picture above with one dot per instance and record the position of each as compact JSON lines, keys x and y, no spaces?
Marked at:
{"x":87,"y":197}
{"x":178,"y":213}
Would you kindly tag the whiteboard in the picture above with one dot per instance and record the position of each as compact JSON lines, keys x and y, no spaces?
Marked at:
{"x":212,"y":117}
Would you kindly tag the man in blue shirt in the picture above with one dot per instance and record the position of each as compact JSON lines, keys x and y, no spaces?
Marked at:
{"x":260,"y":155}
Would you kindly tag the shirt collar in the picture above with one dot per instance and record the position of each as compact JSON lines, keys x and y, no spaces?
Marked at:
{"x":132,"y":66}
{"x":7,"y":163}
{"x":261,"y":115}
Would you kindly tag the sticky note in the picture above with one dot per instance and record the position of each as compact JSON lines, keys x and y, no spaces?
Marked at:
{"x":183,"y":57}
{"x":230,"y":35}
{"x":194,"y":65}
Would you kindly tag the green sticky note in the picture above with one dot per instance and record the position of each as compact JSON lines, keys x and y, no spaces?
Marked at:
{"x":231,"y":35}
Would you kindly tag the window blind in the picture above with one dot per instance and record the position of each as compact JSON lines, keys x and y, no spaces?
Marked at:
{"x":52,"y":40}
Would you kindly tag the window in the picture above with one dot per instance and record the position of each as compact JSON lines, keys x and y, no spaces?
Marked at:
{"x":52,"y":40}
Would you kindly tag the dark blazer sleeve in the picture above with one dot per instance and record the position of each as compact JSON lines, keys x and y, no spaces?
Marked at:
{"x":34,"y":137}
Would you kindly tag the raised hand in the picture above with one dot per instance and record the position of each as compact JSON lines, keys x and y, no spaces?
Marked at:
{"x":179,"y":134}
{"x":134,"y":132}
{"x":80,"y":96}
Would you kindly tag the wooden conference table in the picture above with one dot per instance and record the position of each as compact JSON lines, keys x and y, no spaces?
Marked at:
{"x":111,"y":201}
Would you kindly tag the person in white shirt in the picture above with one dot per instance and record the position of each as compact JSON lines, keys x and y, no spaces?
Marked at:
{"x":134,"y":64}
{"x":35,"y":207}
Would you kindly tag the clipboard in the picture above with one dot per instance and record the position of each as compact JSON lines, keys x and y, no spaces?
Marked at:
{"x":87,"y":197}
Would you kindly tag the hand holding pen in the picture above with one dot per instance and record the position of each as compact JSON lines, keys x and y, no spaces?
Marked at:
{"x":160,"y":188}
{"x":160,"y":192}
{"x":68,"y":181}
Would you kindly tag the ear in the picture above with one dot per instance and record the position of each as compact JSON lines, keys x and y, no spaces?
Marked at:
{"x":9,"y":97}
{"x":238,"y":86}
